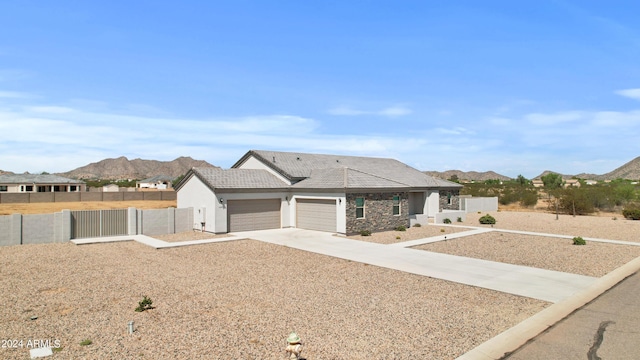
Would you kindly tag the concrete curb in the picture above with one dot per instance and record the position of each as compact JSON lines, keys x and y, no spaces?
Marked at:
{"x":514,"y":338}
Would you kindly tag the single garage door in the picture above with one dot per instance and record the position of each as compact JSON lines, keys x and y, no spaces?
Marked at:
{"x":316,"y":214}
{"x":247,"y":215}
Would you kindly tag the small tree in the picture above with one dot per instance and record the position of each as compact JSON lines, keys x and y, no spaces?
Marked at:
{"x":553,"y":183}
{"x":522,"y":180}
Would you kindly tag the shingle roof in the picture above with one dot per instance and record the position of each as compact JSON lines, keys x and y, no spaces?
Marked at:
{"x":157,"y":178}
{"x":345,"y":178}
{"x":36,"y":179}
{"x":299,"y":166}
{"x":217,"y":178}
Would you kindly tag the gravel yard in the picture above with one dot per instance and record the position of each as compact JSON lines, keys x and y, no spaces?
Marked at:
{"x":240,"y":299}
{"x":593,"y":259}
{"x":413,"y":233}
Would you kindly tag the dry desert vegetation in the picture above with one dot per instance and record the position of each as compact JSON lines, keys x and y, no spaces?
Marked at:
{"x":240,"y":299}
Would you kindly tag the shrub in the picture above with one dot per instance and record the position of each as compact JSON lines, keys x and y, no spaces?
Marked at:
{"x":631,"y":213}
{"x":86,"y":342}
{"x":579,"y":241}
{"x":365,"y":232}
{"x":417,"y":225}
{"x":398,"y":237}
{"x":441,"y":230}
{"x":446,"y":221}
{"x":144,"y":304}
{"x":459,"y":219}
{"x":401,"y":228}
{"x":487,"y":220}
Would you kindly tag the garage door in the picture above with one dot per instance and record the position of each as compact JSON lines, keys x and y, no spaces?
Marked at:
{"x":247,"y":215}
{"x":315,"y":214}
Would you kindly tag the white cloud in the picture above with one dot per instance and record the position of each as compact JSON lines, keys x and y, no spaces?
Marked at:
{"x":395,"y":111}
{"x":13,"y":95}
{"x":51,"y":109}
{"x":630,"y":93}
{"x":555,"y":118}
{"x":392,"y":111}
{"x":347,"y":111}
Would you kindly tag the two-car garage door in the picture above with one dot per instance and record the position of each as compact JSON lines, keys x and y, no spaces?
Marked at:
{"x":316,"y":214}
{"x":312,"y":214}
{"x":247,"y":215}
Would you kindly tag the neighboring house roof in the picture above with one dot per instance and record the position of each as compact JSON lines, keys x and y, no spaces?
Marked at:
{"x":299,"y":166}
{"x":157,"y":178}
{"x":217,"y":178}
{"x":36,"y":179}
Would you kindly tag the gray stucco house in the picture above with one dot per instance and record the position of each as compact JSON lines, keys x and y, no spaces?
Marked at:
{"x":335,"y":193}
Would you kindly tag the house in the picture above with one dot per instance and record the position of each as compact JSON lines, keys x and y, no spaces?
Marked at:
{"x":110,"y":188}
{"x":571,"y":183}
{"x":28,"y":183}
{"x":537,"y":183}
{"x":335,"y":193}
{"x":159,"y":182}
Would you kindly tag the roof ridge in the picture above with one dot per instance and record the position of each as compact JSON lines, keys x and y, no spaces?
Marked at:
{"x":377,"y":176}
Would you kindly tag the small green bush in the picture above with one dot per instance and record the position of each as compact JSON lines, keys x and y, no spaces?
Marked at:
{"x":579,"y":241}
{"x":401,"y":228}
{"x":86,"y":342}
{"x":446,"y":221}
{"x":459,"y":219}
{"x":398,"y":237}
{"x":487,"y":220}
{"x":144,"y":304}
{"x":417,"y":225}
{"x":631,"y":214}
{"x":365,"y":232}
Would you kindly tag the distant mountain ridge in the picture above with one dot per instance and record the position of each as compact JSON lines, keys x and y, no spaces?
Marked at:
{"x":467,"y":175}
{"x":123,"y":168}
{"x":630,"y":171}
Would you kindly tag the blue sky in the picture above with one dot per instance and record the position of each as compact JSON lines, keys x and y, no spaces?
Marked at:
{"x":511,"y":86}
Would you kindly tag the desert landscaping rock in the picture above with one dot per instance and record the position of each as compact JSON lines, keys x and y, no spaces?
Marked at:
{"x":241,"y":299}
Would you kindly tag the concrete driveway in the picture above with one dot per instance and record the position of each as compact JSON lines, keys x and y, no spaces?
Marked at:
{"x":547,"y":285}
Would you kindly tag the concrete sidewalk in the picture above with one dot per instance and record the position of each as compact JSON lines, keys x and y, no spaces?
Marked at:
{"x":547,"y":285}
{"x":154,"y":243}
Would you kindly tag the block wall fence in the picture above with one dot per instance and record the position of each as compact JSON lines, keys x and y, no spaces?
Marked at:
{"x":58,"y":227}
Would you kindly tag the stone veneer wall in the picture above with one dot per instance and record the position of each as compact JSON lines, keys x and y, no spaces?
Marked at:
{"x":444,"y":200}
{"x":378,"y":212}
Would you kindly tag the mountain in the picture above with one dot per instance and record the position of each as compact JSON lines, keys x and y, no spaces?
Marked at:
{"x":468,"y":175}
{"x":630,"y":171}
{"x":123,"y":168}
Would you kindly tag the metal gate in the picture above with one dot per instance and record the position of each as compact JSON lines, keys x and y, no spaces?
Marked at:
{"x":98,"y":223}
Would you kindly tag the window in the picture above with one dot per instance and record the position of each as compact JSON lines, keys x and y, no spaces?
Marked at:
{"x":449,"y":198}
{"x":359,"y":208}
{"x":29,"y":188}
{"x":72,"y":188}
{"x":3,"y":187}
{"x":396,"y":205}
